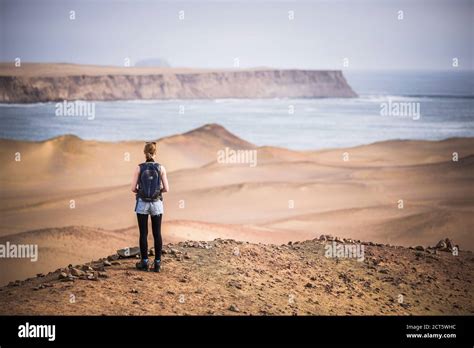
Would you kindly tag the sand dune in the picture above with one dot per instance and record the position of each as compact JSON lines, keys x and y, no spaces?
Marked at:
{"x":288,"y":195}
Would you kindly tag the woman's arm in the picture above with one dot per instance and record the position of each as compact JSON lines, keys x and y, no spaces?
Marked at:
{"x":164,"y":180}
{"x":135,"y":179}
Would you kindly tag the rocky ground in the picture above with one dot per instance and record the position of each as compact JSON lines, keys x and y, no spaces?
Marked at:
{"x":227,"y":277}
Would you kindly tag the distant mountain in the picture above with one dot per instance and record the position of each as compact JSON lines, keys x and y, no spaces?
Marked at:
{"x":153,"y":62}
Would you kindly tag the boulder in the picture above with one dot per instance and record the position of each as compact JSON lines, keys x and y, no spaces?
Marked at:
{"x":446,"y":245}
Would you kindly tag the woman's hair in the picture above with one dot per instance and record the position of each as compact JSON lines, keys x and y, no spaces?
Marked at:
{"x":149,"y":150}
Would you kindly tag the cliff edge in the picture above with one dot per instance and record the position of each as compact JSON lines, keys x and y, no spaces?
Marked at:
{"x":36,"y":83}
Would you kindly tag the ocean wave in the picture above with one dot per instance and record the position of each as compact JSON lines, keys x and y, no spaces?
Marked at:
{"x":382,"y":97}
{"x":26,"y":105}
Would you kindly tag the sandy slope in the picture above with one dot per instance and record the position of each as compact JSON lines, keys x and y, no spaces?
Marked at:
{"x":289,"y":195}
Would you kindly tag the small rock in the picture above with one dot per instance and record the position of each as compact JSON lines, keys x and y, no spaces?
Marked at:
{"x":77,"y":272}
{"x":134,"y":291}
{"x":116,"y":263}
{"x":419,"y":248}
{"x":175,"y":252}
{"x":235,"y":284}
{"x":62,"y":275}
{"x":432,"y":251}
{"x":69,"y":278}
{"x":234,"y":308}
{"x":107,"y":263}
{"x":128,"y":252}
{"x":93,"y":276}
{"x":449,"y":244}
{"x":99,"y":268}
{"x":113,"y":257}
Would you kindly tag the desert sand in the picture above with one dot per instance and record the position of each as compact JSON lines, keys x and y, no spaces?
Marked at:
{"x":288,"y":196}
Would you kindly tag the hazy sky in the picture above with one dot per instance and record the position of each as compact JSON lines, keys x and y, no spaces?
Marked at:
{"x":259,"y":33}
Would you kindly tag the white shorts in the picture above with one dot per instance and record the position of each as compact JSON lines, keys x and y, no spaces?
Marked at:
{"x":152,"y":208}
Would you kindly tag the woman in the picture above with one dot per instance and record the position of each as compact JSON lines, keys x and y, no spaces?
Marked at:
{"x":149,"y":181}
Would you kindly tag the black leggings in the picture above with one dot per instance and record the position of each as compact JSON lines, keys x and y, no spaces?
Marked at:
{"x":156,"y":228}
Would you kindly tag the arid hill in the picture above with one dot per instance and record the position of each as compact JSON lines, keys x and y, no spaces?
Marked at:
{"x":227,"y":277}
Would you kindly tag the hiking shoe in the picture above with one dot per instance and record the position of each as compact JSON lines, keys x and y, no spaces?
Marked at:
{"x":157,"y":266}
{"x":142,"y":265}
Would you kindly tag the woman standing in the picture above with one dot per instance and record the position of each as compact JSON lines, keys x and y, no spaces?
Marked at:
{"x":148,"y":183}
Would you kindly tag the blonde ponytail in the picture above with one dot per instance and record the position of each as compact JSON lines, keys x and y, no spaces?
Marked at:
{"x":149,"y":150}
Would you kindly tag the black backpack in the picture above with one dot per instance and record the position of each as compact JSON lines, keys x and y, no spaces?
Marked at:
{"x":149,"y":182}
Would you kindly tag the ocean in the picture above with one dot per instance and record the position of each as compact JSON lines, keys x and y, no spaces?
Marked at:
{"x":391,"y":105}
